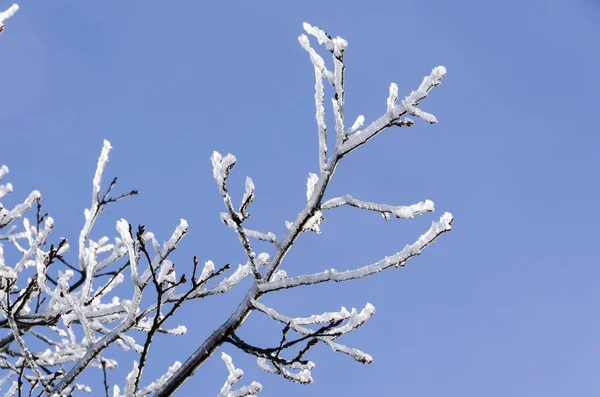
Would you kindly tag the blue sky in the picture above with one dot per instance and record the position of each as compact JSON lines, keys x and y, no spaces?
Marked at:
{"x":506,"y":304}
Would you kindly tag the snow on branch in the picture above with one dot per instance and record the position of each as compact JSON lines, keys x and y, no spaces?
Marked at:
{"x":92,"y":213}
{"x":238,"y":275}
{"x":248,"y":197}
{"x":401,"y":212}
{"x":336,"y":46}
{"x":154,"y":386}
{"x":7,"y":14}
{"x":221,"y":168}
{"x":8,"y":216}
{"x":4,"y":189}
{"x":330,"y":333}
{"x":396,"y":260}
{"x":320,"y":70}
{"x":395,"y":111}
{"x":151,"y":388}
{"x":24,"y":350}
{"x":348,"y":140}
{"x":411,"y":101}
{"x":235,"y":374}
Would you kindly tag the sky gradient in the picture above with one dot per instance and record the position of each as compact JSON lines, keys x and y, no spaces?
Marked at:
{"x":505,"y":305}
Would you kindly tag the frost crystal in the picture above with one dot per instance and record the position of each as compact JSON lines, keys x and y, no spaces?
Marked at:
{"x":310,"y":184}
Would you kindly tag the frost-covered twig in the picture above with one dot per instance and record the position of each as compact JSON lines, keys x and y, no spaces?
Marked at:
{"x":8,"y":216}
{"x":7,"y":14}
{"x":399,"y":211}
{"x":398,"y":259}
{"x":25,"y":350}
{"x":91,"y":214}
{"x":268,"y":237}
{"x":396,"y":111}
{"x":298,"y":369}
{"x":336,"y":46}
{"x":355,"y":320}
{"x":221,"y":168}
{"x":152,"y":387}
{"x":235,"y":374}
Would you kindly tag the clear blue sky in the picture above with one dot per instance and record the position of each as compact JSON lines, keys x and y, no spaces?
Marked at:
{"x":505,"y":305}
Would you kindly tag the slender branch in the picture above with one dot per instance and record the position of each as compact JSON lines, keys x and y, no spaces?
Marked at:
{"x":221,"y":168}
{"x":26,"y":353}
{"x":320,"y":71}
{"x":395,"y":111}
{"x":7,"y":14}
{"x":106,"y":388}
{"x":268,"y":237}
{"x":398,"y":259}
{"x":156,"y":319}
{"x":404,"y":212}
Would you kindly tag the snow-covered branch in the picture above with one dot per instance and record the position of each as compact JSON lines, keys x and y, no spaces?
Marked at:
{"x":235,"y":374}
{"x":320,"y":70}
{"x":7,"y":14}
{"x":399,"y":211}
{"x":221,"y":168}
{"x":326,"y":334}
{"x":396,"y":260}
{"x":395,"y":111}
{"x":8,"y":216}
{"x":121,"y":291}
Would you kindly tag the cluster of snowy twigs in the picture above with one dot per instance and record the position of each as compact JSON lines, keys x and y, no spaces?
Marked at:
{"x":61,"y":313}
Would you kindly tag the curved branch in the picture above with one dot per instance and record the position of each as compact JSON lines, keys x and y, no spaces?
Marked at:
{"x":399,"y":259}
{"x":399,"y":211}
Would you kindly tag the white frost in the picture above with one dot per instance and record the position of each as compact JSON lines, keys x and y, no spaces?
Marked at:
{"x":7,"y":14}
{"x":310,"y":184}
